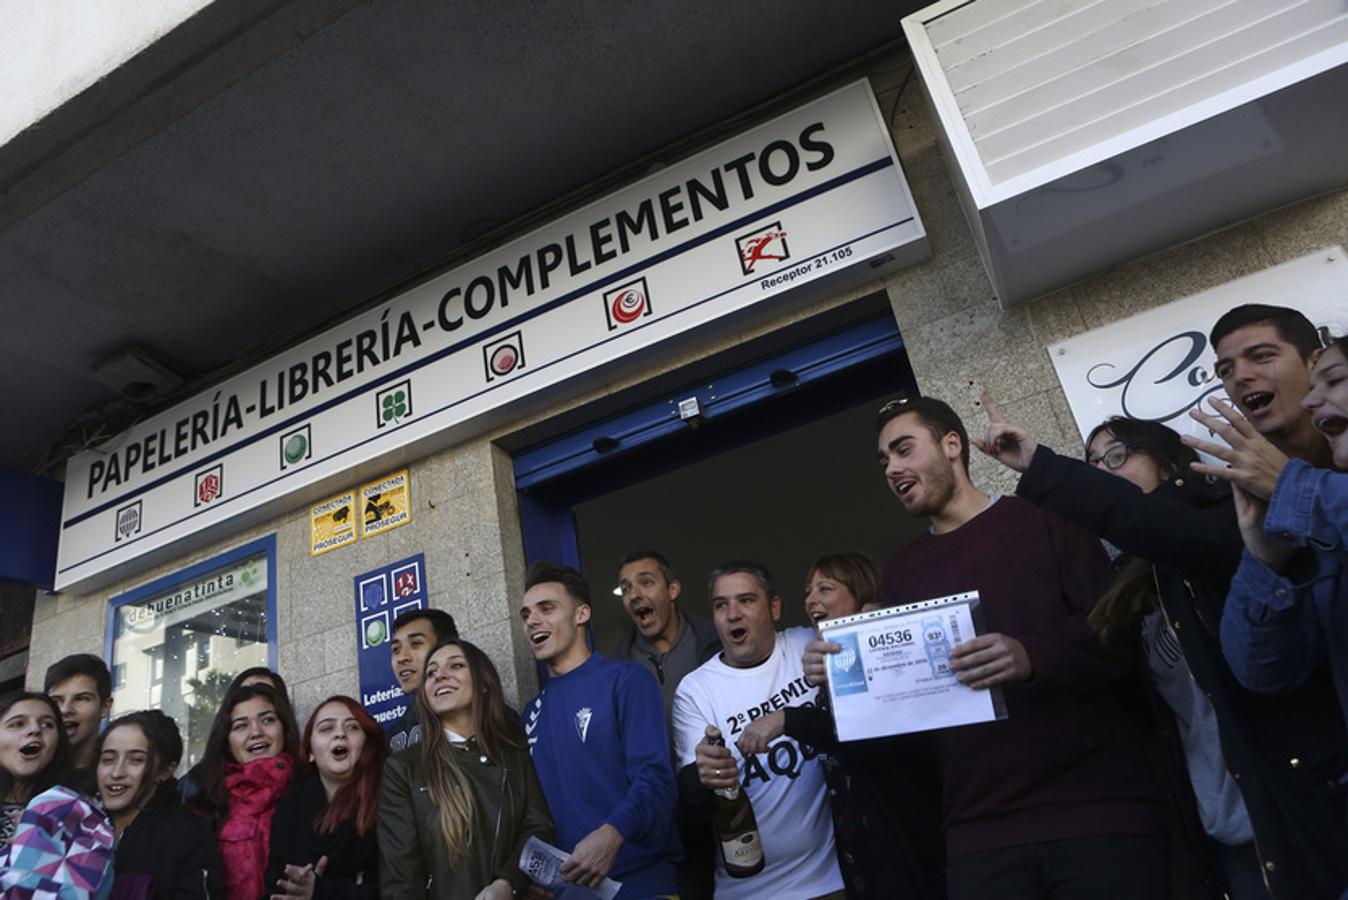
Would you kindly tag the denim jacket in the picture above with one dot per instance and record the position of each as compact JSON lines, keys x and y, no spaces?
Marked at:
{"x":1276,"y":627}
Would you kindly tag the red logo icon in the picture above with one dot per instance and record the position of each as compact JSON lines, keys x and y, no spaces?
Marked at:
{"x":210,"y":485}
{"x":503,"y":360}
{"x":503,"y":357}
{"x":764,"y":244}
{"x":625,"y":304}
{"x":406,"y":583}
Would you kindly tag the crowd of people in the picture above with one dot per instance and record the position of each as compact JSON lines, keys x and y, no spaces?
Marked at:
{"x":1169,"y":637}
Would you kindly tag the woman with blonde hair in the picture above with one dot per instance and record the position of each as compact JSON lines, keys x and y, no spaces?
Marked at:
{"x":456,"y":809}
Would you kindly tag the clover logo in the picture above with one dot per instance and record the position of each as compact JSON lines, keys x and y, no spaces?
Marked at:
{"x":393,"y":404}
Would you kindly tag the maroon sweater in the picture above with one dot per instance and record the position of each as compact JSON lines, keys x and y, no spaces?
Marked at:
{"x":1066,"y":761}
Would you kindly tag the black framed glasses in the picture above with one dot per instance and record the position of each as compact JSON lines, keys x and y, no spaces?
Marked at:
{"x":1113,"y":458}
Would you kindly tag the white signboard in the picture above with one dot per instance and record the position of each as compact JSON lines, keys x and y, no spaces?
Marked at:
{"x":811,"y":193}
{"x":1157,"y":365}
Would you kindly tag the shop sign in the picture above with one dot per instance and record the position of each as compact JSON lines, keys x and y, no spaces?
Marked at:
{"x":381,"y":596}
{"x":635,"y":276}
{"x":1157,"y":365}
{"x":332,"y":523}
{"x":387,"y":503}
{"x":218,"y":589}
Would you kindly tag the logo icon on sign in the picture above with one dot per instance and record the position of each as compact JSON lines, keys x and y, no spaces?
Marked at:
{"x":210,"y":485}
{"x":373,"y":593}
{"x":374,"y":630}
{"x":128,"y":521}
{"x":393,"y":404}
{"x":504,"y":357}
{"x":296,"y":446}
{"x":624,"y":305}
{"x":768,"y":243}
{"x":406,"y":582}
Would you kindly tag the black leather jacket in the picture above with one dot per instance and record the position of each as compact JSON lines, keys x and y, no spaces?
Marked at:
{"x":508,"y":808}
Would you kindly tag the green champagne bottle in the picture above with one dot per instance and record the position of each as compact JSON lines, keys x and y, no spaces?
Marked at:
{"x":737,"y":830}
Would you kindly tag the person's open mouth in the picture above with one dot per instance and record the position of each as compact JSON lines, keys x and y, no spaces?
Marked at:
{"x":1331,"y":426}
{"x":71,"y":726}
{"x":114,"y":790}
{"x":1256,"y":401}
{"x":406,"y":675}
{"x":737,"y":634}
{"x":538,"y":638}
{"x":30,"y":751}
{"x":341,"y":752}
{"x":643,"y":615}
{"x":904,"y":485}
{"x":256,"y":748}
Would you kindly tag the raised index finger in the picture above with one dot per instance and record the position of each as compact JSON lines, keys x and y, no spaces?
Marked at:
{"x":994,"y":414}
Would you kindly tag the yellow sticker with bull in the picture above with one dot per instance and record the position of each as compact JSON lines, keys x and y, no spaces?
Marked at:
{"x":332,"y":523}
{"x":386,"y":503}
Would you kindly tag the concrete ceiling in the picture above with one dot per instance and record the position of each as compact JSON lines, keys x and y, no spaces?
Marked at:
{"x":360,"y":154}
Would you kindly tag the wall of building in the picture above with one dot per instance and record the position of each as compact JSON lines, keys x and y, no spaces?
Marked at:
{"x":56,"y":50}
{"x":466,"y":518}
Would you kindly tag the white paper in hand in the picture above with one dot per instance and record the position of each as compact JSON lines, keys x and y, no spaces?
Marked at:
{"x":542,"y":862}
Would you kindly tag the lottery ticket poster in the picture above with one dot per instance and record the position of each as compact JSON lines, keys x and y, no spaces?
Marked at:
{"x":893,"y":674}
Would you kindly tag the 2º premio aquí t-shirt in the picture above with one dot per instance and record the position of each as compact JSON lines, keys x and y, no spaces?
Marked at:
{"x":785,"y":784}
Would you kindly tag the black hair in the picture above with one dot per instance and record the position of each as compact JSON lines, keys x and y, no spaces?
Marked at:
{"x":1292,"y":326}
{"x":212,"y":799}
{"x":1157,"y":441}
{"x":570,"y":579}
{"x":442,"y":623}
{"x":150,"y":724}
{"x":284,"y":708}
{"x":658,"y":558}
{"x":163,"y":731}
{"x":80,"y":664}
{"x":935,"y":415}
{"x":59,"y":767}
{"x":759,"y":572}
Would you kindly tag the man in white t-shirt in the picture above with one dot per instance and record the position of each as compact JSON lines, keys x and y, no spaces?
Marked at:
{"x":758,"y":672}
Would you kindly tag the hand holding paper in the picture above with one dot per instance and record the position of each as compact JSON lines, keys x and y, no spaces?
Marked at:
{"x":897,"y":671}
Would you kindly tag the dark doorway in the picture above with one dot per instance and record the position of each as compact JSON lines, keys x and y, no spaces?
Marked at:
{"x":783,"y":501}
{"x":778,"y":466}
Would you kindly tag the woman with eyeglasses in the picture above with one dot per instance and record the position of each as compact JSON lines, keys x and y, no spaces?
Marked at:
{"x":1250,"y":773}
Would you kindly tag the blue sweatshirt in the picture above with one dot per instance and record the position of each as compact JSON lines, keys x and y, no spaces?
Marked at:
{"x":601,"y":749}
{"x":1275,"y":628}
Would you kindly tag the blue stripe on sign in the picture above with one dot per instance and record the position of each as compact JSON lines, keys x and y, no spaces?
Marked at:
{"x":506,"y":325}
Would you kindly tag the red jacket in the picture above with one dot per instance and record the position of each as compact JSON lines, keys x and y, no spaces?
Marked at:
{"x":253,"y":790}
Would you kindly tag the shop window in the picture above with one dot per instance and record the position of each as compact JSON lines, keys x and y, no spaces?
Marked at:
{"x":176,"y":643}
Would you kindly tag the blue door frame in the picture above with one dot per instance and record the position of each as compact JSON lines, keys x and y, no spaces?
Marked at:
{"x":739,"y":406}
